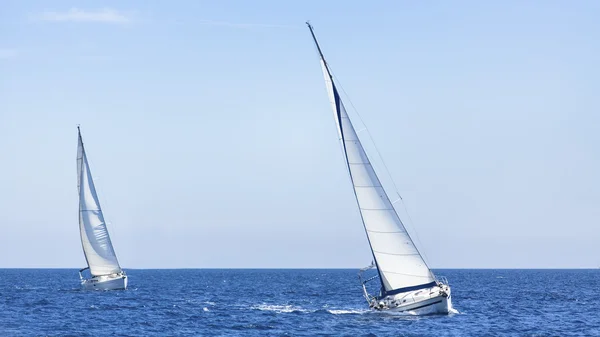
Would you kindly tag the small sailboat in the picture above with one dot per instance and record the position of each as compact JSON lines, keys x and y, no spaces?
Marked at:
{"x":106,"y":274}
{"x":407,"y":283}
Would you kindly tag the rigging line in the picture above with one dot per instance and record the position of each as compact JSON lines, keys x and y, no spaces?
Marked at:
{"x":423,"y":255}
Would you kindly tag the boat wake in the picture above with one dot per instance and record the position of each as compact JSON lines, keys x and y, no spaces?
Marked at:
{"x":347,"y":312}
{"x":295,"y":309}
{"x":279,"y":308}
{"x":289,"y":308}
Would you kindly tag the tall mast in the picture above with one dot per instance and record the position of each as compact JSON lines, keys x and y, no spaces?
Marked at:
{"x":337,"y":105}
{"x":319,"y":49}
{"x":97,"y":246}
{"x":399,"y":263}
{"x":79,"y":135}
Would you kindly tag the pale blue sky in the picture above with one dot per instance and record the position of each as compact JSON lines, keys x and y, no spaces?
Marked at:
{"x":209,"y":130}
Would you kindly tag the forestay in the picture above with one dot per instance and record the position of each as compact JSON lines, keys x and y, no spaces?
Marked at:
{"x":401,"y":267}
{"x":95,"y":240}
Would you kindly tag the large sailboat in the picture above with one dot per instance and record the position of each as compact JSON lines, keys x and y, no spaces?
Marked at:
{"x":106,"y":273}
{"x":407,"y":283}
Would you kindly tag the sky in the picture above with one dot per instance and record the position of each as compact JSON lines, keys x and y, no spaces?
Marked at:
{"x":212,"y":142}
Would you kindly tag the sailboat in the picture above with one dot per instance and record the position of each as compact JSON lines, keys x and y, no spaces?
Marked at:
{"x":407,"y":283}
{"x":104,"y":268}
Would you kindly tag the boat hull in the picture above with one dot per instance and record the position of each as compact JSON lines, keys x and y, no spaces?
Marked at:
{"x":105,"y":282}
{"x":439,"y":305}
{"x":429,"y":301}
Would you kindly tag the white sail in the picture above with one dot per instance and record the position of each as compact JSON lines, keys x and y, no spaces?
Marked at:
{"x":401,"y":267}
{"x":95,"y":240}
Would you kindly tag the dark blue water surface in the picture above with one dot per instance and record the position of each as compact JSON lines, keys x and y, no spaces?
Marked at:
{"x":196,"y":302}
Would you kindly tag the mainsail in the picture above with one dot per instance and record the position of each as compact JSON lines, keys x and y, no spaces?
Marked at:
{"x":400,"y":265}
{"x":95,"y":240}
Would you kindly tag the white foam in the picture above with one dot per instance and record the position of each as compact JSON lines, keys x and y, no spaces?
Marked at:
{"x":343,"y":312}
{"x":205,"y":309}
{"x":278,"y":308}
{"x":398,"y":313}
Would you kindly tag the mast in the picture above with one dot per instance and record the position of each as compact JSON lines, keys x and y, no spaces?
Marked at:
{"x":319,"y":49}
{"x":400,"y":265}
{"x":95,"y":240}
{"x":334,"y":97}
{"x":336,"y":102}
{"x":80,"y":154}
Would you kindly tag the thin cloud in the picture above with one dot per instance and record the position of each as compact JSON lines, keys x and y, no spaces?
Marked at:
{"x":105,"y":15}
{"x":6,"y":54}
{"x":241,"y":25}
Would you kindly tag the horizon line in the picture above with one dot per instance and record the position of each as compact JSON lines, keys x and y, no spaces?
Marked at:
{"x":315,"y":268}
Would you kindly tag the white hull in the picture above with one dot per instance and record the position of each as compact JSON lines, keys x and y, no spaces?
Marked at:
{"x":105,"y":282}
{"x":428,"y":301}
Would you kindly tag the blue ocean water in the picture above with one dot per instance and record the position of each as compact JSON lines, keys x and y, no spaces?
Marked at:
{"x":301,"y":302}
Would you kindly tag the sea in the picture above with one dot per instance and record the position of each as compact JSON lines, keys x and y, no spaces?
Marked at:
{"x":293,"y":302}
